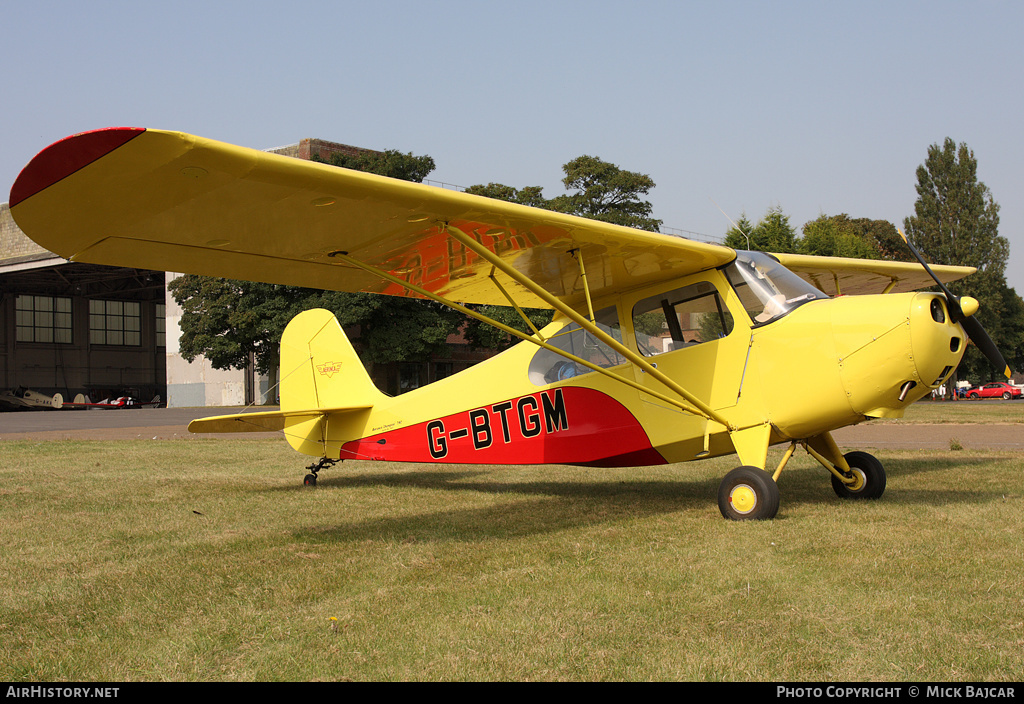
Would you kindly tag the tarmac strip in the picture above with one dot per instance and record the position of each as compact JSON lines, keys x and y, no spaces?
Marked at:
{"x":172,"y":424}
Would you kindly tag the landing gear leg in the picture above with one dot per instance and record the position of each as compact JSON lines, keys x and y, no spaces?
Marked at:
{"x":855,"y":475}
{"x":322,"y":463}
{"x":868,"y":476}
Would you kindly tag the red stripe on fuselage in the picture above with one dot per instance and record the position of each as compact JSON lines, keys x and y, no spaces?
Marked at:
{"x":567,"y":425}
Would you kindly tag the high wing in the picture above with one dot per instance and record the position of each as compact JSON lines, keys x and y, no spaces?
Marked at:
{"x":841,"y":276}
{"x":174,"y":202}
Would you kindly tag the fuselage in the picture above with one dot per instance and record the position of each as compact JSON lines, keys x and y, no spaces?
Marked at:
{"x":795,"y":364}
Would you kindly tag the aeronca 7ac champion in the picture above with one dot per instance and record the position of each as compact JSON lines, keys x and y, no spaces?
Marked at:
{"x":661,"y":350}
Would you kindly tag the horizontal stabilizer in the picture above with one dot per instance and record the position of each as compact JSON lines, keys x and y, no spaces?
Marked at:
{"x":263,"y":421}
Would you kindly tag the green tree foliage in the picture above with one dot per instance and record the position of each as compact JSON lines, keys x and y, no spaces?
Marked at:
{"x":773,"y":233}
{"x":602,"y":191}
{"x":229,"y":321}
{"x":858,"y":238}
{"x":532,"y":196}
{"x":390,"y":163}
{"x":956,"y":221}
{"x":598,"y":189}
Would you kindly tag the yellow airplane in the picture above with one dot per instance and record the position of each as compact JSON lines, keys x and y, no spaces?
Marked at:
{"x":661,"y":350}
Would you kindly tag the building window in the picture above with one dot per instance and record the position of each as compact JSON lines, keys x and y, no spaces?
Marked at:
{"x":115,"y":323}
{"x":161,"y":321}
{"x":43,"y":319}
{"x":409,"y":376}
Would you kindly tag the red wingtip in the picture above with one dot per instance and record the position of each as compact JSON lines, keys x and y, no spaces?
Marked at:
{"x":63,"y":158}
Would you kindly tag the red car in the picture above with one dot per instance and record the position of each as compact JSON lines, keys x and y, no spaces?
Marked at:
{"x":998,"y":389}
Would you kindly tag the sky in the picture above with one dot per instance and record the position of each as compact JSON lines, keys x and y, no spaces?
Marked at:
{"x":733,"y":107}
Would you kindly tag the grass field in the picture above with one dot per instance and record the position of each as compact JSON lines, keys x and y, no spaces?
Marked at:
{"x":983,"y":411}
{"x":207,"y":560}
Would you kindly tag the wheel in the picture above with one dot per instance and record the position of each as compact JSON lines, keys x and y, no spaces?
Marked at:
{"x":1006,"y":395}
{"x":870,"y":476}
{"x":748,"y":494}
{"x":973,"y":396}
{"x":310,"y":480}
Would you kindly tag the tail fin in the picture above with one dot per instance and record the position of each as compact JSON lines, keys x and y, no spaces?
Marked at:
{"x":320,"y":375}
{"x":319,"y":367}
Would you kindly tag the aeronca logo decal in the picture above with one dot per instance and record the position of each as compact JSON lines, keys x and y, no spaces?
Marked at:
{"x":329,"y":369}
{"x":528,"y":416}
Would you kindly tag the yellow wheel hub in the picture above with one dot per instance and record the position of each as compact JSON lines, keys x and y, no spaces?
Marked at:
{"x":743,"y":498}
{"x":858,"y":480}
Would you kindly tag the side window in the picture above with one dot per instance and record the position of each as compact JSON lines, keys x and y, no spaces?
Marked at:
{"x":548,"y":367}
{"x":680,"y":318}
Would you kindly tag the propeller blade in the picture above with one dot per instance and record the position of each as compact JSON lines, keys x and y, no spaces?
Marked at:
{"x":952,"y":302}
{"x":970,"y":324}
{"x":981,"y":338}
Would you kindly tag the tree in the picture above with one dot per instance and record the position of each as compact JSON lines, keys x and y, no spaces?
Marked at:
{"x":605,"y":192}
{"x":956,"y":221}
{"x":532,"y":196}
{"x":772,"y":234}
{"x":860,"y":238}
{"x":390,"y":163}
{"x":233,"y":323}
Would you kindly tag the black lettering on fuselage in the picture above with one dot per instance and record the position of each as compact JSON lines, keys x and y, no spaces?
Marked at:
{"x":548,"y":414}
{"x":502,"y":410}
{"x":435,"y":440}
{"x":555,"y":418}
{"x":480,"y":424}
{"x":529,"y":424}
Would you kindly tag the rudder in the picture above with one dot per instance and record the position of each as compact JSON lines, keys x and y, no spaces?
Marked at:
{"x":320,"y":370}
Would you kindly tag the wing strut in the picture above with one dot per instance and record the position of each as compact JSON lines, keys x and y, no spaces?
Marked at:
{"x":590,"y":327}
{"x":512,"y":302}
{"x":542,"y":293}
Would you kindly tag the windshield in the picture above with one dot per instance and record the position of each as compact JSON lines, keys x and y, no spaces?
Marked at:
{"x":767,"y":289}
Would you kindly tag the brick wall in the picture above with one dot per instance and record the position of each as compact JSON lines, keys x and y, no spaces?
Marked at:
{"x":14,"y":245}
{"x":322,"y":148}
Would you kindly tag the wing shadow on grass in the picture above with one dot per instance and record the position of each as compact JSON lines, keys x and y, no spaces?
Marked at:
{"x":549,"y":506}
{"x":545,"y":506}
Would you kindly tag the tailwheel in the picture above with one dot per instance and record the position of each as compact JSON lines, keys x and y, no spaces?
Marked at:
{"x":322,"y":463}
{"x":868,"y":475}
{"x":748,"y":494}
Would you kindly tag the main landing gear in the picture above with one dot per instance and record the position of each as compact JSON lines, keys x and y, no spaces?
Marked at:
{"x":748,"y":494}
{"x":322,"y":463}
{"x":751,"y":494}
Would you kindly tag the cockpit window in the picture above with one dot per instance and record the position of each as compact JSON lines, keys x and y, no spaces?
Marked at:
{"x":548,"y":367}
{"x":767,"y":289}
{"x":680,"y":318}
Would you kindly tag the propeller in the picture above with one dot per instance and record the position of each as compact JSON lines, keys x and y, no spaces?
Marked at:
{"x":966,"y":317}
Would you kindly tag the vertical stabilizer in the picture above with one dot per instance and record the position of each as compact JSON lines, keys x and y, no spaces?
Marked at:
{"x":320,"y":370}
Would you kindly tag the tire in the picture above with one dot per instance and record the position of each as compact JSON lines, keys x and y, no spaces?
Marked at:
{"x":1006,"y":395}
{"x":869,"y":470}
{"x":973,"y":397}
{"x":309,"y":480}
{"x":748,"y":494}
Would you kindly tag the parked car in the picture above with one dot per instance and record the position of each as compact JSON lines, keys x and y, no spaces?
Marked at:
{"x":997,"y":389}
